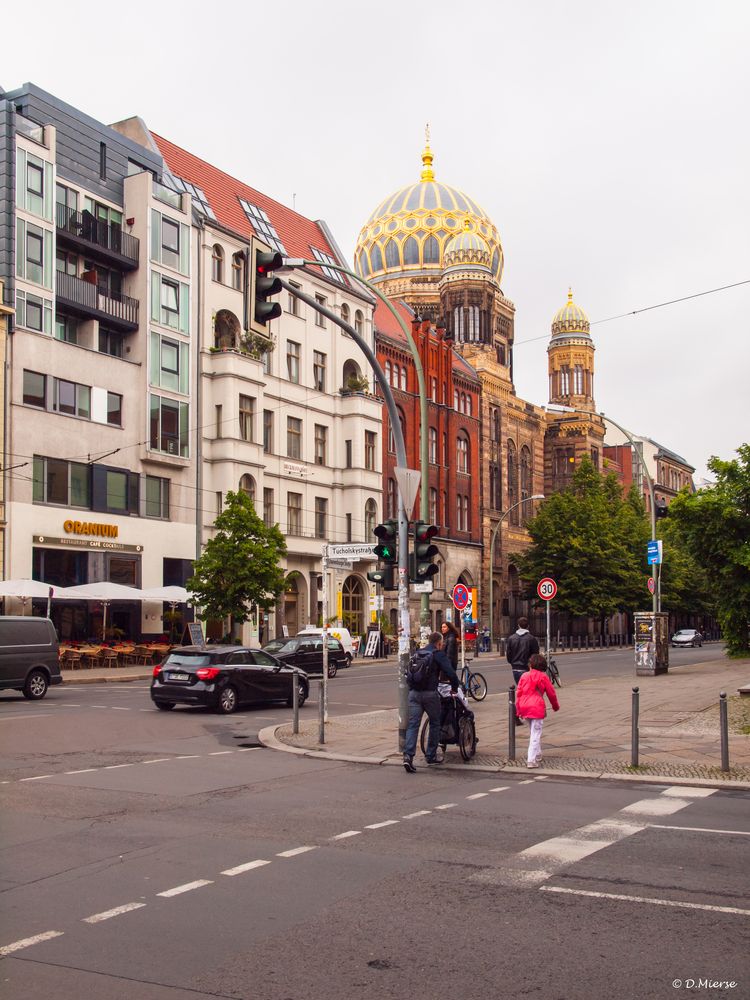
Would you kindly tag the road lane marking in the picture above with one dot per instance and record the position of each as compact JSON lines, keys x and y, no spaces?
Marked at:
{"x":422,"y":812}
{"x":8,"y":949}
{"x":111,"y":767}
{"x":239,"y":869}
{"x":655,"y":807}
{"x":37,"y":777}
{"x":156,"y":760}
{"x":99,"y":706}
{"x":500,"y":788}
{"x":700,"y":829}
{"x":447,"y":805}
{"x":34,"y":715}
{"x":97,"y":918}
{"x":378,"y":826}
{"x":348,"y":833}
{"x":83,"y":770}
{"x":220,"y":753}
{"x":645,"y":899}
{"x":681,"y":792}
{"x":70,"y":705}
{"x":294,"y":852}
{"x":246,"y":749}
{"x":478,"y":795}
{"x":527,"y":781}
{"x":184,"y":756}
{"x":120,"y":708}
{"x":187,"y":887}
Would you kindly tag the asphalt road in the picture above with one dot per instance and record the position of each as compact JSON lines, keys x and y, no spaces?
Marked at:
{"x":156,"y":856}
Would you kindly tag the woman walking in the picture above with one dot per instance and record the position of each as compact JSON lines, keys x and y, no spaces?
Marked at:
{"x":450,"y":643}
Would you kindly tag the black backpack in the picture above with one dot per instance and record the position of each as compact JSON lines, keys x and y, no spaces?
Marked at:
{"x":419,"y":669}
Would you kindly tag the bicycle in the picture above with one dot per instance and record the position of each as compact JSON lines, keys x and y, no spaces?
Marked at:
{"x":473,"y":683}
{"x":554,"y":673}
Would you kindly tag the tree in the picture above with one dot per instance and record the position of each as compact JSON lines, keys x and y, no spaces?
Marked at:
{"x":714,"y":525}
{"x":593,"y":542}
{"x":685,"y":584}
{"x":239,"y":566}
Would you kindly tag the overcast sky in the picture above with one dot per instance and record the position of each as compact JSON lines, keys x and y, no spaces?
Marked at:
{"x":608,"y":142}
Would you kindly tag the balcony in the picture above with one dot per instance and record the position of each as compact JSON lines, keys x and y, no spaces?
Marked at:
{"x":84,"y":299}
{"x":88,"y":235}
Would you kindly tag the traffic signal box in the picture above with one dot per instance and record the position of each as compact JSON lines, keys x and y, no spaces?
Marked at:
{"x":387,"y":553}
{"x":422,"y":568}
{"x":264,"y":286}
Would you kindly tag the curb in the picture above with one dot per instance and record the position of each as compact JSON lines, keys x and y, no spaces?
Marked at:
{"x":105,"y":680}
{"x":267,"y":738}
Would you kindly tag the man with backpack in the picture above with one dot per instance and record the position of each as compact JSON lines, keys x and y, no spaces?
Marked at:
{"x":426,"y":668}
{"x":519,"y":649}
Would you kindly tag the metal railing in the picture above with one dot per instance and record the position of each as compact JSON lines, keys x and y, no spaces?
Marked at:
{"x":85,"y":227}
{"x":87,"y":295}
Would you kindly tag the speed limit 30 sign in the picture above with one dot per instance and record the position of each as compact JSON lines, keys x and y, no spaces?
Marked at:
{"x":546,"y":588}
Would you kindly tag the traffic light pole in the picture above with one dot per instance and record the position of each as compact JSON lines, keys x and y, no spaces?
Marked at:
{"x":404,"y":639}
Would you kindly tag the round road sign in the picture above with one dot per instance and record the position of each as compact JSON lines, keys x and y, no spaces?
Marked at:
{"x":460,"y":595}
{"x":546,"y":588}
{"x":651,"y":585}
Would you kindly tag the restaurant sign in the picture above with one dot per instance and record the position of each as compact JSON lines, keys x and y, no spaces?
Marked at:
{"x":87,"y":542}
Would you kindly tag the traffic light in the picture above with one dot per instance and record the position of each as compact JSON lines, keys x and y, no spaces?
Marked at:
{"x":661,"y":508}
{"x":424,"y":552}
{"x":387,"y":550}
{"x":384,"y":577}
{"x":264,"y":286}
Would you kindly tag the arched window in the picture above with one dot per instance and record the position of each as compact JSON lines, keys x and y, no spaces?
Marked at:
{"x":456,"y":400}
{"x":495,"y":495}
{"x":467,"y":523}
{"x":411,"y":251}
{"x":403,"y":379}
{"x":247,"y":486}
{"x":217,"y":263}
{"x":433,"y":506}
{"x":462,"y":453}
{"x":431,"y":252}
{"x":387,"y":372}
{"x":512,"y":481}
{"x":463,"y":402}
{"x":565,"y":381}
{"x":376,"y":258}
{"x":578,"y":380}
{"x":345,"y":312}
{"x":392,"y":505}
{"x":526,"y":477}
{"x":468,"y":404}
{"x":433,"y":389}
{"x":359,"y":322}
{"x":391,"y":254}
{"x":432,"y":440}
{"x":371,"y":513}
{"x":459,"y":513}
{"x":496,"y":425}
{"x":238,"y":270}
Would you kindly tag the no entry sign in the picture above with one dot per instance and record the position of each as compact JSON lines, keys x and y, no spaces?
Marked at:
{"x":460,"y":595}
{"x":546,"y":588}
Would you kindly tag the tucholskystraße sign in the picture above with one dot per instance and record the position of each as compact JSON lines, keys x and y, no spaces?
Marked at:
{"x":353,"y":551}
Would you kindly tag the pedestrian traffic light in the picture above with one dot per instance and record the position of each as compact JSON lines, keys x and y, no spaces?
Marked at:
{"x":384,"y":577}
{"x":424,"y":552}
{"x":660,"y":508}
{"x":387,"y":550}
{"x":264,"y":286}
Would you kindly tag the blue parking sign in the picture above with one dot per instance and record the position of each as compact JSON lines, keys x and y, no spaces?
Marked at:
{"x":654,"y":551}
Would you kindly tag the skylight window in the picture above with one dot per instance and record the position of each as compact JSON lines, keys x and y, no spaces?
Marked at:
{"x":329,"y":272}
{"x":199,"y":198}
{"x":263,"y":226}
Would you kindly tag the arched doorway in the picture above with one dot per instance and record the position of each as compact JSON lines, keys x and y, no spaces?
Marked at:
{"x":353,"y":605}
{"x":293,"y":611}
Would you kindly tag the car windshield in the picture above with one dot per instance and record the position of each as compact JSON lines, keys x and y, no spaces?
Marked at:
{"x":290,"y":646}
{"x":186,"y":660}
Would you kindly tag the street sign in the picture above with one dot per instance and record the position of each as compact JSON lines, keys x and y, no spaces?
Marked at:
{"x":460,"y":595}
{"x":355,"y":551}
{"x":408,"y":486}
{"x":425,"y":587}
{"x":340,"y":564}
{"x":546,"y":588}
{"x":654,"y":552}
{"x":651,"y":584}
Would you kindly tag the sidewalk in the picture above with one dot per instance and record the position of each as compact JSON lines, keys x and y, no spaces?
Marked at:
{"x":590,"y":735}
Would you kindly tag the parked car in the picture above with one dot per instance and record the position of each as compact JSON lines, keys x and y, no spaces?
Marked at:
{"x":687,"y":637}
{"x":306,"y":652}
{"x":223,"y":678}
{"x":343,"y":635}
{"x":29,"y":655}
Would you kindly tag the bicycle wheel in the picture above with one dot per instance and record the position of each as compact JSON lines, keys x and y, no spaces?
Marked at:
{"x":554,"y":674}
{"x":466,"y":738}
{"x":477,"y":687}
{"x":423,"y":736}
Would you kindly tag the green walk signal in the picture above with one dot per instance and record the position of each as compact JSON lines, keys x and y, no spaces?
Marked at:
{"x":387,"y":550}
{"x":424,"y":552}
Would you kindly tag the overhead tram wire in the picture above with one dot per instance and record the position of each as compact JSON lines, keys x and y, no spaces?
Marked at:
{"x":635,"y":312}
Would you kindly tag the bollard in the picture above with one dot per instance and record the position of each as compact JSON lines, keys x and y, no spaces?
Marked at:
{"x":295,"y":702}
{"x":321,"y":716}
{"x":634,"y":730}
{"x":724,"y":728}
{"x":512,"y":722}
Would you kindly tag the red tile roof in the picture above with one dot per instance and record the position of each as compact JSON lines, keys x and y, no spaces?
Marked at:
{"x":386,"y":323}
{"x":298,"y":234}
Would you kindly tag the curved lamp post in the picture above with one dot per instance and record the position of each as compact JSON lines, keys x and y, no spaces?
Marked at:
{"x":537,"y":496}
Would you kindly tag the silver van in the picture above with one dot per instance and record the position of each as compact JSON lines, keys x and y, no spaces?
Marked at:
{"x":28,"y":655}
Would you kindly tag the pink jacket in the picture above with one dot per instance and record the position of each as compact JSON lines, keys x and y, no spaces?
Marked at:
{"x":530,"y":695}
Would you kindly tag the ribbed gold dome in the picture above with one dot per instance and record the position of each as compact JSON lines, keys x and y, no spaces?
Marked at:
{"x":408,"y":233}
{"x":571,"y":319}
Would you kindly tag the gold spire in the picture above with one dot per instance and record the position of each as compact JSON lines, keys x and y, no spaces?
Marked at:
{"x":570,"y":294}
{"x":428,"y":174}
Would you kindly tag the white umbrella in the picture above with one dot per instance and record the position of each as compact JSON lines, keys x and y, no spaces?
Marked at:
{"x":25,"y":589}
{"x":173,"y":595}
{"x":104,"y":591}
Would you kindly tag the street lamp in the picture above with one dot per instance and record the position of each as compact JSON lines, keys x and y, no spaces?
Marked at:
{"x":537,"y":496}
{"x":560,"y":408}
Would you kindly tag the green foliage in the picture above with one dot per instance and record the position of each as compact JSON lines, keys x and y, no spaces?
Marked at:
{"x":714,"y":526}
{"x":239,"y":566}
{"x":592,"y":541}
{"x":685,"y":584}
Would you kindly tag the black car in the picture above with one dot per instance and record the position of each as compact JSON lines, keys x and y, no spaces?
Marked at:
{"x":223,"y":678}
{"x":306,"y":653}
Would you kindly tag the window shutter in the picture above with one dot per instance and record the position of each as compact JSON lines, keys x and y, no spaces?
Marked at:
{"x":47,"y":275}
{"x":49,"y":188}
{"x":155,"y":359}
{"x":155,"y":297}
{"x":21,"y":179}
{"x":184,"y":369}
{"x":184,"y":308}
{"x":184,"y":249}
{"x":155,"y":236}
{"x":20,"y":248}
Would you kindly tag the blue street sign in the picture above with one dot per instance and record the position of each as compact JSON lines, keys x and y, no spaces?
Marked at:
{"x":653,"y":551}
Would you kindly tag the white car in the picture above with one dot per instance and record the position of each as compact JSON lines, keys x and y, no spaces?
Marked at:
{"x":687,"y":637}
{"x":342,"y":634}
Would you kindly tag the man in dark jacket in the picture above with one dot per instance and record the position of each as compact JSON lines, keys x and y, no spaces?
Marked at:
{"x":427,"y":699}
{"x":518,"y":651}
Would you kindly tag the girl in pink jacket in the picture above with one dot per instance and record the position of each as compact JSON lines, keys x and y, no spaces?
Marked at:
{"x":532,"y":687}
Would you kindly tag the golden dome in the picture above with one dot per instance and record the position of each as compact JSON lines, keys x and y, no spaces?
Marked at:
{"x":571,"y":319}
{"x":408,"y":233}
